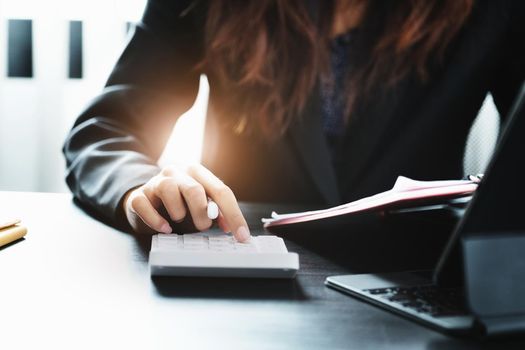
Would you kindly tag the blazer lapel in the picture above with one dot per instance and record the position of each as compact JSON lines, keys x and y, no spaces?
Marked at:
{"x":310,"y":143}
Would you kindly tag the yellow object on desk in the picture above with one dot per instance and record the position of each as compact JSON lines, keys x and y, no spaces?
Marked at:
{"x":10,"y":231}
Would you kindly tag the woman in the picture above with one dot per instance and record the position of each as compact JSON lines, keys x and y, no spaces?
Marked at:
{"x":317,"y":102}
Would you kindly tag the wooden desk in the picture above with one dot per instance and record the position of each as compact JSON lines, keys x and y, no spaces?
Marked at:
{"x":76,"y":283}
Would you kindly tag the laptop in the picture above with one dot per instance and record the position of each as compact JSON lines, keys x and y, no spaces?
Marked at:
{"x":478,"y":285}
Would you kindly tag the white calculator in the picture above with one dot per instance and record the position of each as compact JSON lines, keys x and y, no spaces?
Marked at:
{"x":210,"y":254}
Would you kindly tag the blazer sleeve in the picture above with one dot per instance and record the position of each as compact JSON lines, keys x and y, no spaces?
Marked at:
{"x":509,"y":72}
{"x":116,"y":141}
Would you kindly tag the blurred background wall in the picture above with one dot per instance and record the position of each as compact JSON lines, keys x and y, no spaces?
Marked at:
{"x":56,"y":56}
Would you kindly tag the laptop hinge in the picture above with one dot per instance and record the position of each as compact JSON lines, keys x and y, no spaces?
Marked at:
{"x":501,"y":325}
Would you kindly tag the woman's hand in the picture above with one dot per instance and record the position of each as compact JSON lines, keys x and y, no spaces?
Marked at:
{"x":181,"y":192}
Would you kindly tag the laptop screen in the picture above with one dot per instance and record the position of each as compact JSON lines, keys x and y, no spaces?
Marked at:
{"x":499,"y":202}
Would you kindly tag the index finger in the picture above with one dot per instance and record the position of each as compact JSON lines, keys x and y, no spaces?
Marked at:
{"x":225,"y":199}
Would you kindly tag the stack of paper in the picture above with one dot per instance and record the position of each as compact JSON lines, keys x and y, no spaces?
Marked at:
{"x":405,"y":192}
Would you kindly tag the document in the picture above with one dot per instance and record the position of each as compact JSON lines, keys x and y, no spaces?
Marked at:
{"x":405,"y":193}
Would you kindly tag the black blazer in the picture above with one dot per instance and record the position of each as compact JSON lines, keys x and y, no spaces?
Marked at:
{"x":417,"y":130}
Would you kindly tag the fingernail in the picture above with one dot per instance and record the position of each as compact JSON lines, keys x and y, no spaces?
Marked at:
{"x":243,"y":234}
{"x":166,"y":228}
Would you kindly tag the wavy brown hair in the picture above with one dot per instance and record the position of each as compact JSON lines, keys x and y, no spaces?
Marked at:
{"x":269,"y":54}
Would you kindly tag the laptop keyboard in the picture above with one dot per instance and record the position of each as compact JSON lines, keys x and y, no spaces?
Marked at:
{"x":431,"y":300}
